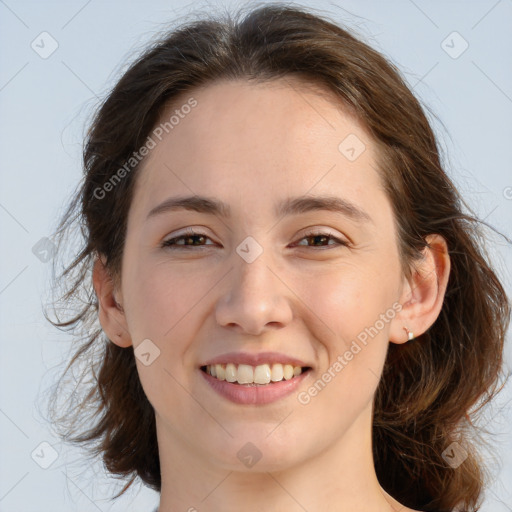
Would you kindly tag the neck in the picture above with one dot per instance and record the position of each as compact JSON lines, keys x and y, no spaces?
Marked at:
{"x":341,"y":478}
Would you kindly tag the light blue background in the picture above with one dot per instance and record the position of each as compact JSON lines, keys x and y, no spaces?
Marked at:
{"x":45,"y":105}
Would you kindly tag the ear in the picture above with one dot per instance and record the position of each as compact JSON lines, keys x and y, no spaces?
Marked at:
{"x":110,"y":309}
{"x":423,"y":293}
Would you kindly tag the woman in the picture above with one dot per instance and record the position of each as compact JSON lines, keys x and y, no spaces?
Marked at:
{"x":290,"y":296}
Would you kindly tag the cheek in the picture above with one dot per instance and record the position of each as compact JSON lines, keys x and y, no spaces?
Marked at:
{"x":348,"y":300}
{"x":347,"y":310}
{"x":160,"y":307}
{"x":160,"y":297}
{"x":351,"y":304}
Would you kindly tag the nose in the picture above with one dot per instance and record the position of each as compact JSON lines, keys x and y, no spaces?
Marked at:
{"x":256,"y":298}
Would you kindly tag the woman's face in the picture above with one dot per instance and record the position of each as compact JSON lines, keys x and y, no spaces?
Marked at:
{"x":272,"y":277}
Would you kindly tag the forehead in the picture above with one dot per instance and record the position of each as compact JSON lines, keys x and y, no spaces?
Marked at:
{"x":245,"y":137}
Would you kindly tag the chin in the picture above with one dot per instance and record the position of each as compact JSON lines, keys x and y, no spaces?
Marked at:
{"x":258,"y":451}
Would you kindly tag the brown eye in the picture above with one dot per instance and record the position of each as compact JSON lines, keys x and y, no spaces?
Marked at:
{"x":321,"y":239}
{"x":188,"y":239}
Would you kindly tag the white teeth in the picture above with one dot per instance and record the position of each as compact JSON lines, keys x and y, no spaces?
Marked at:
{"x":247,"y":374}
{"x":231,"y":372}
{"x":262,"y":374}
{"x":287,"y":371}
{"x":277,"y":372}
{"x":220,"y":371}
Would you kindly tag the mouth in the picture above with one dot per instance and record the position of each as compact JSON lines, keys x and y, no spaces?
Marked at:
{"x":254,"y":376}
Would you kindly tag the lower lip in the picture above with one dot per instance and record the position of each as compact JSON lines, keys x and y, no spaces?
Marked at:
{"x":256,"y":395}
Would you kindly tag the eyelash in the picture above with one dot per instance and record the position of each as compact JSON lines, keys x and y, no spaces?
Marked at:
{"x":171,"y":242}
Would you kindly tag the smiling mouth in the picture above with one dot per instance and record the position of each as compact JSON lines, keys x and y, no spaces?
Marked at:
{"x":248,"y":375}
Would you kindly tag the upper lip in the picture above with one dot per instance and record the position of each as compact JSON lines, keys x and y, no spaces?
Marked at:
{"x":255,"y":359}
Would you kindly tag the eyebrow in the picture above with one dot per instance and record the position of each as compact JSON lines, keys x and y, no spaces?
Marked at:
{"x":290,"y":206}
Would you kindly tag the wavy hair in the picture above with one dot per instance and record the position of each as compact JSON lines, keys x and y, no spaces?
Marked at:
{"x":429,"y":387}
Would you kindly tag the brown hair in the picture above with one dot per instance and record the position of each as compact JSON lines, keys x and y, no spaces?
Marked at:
{"x":429,"y":385}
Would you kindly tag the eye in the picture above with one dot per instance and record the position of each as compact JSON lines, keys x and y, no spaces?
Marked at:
{"x":193,"y":238}
{"x":320,"y":237}
{"x":186,"y":240}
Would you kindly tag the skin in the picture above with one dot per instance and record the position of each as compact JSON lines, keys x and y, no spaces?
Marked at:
{"x":251,"y":146}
